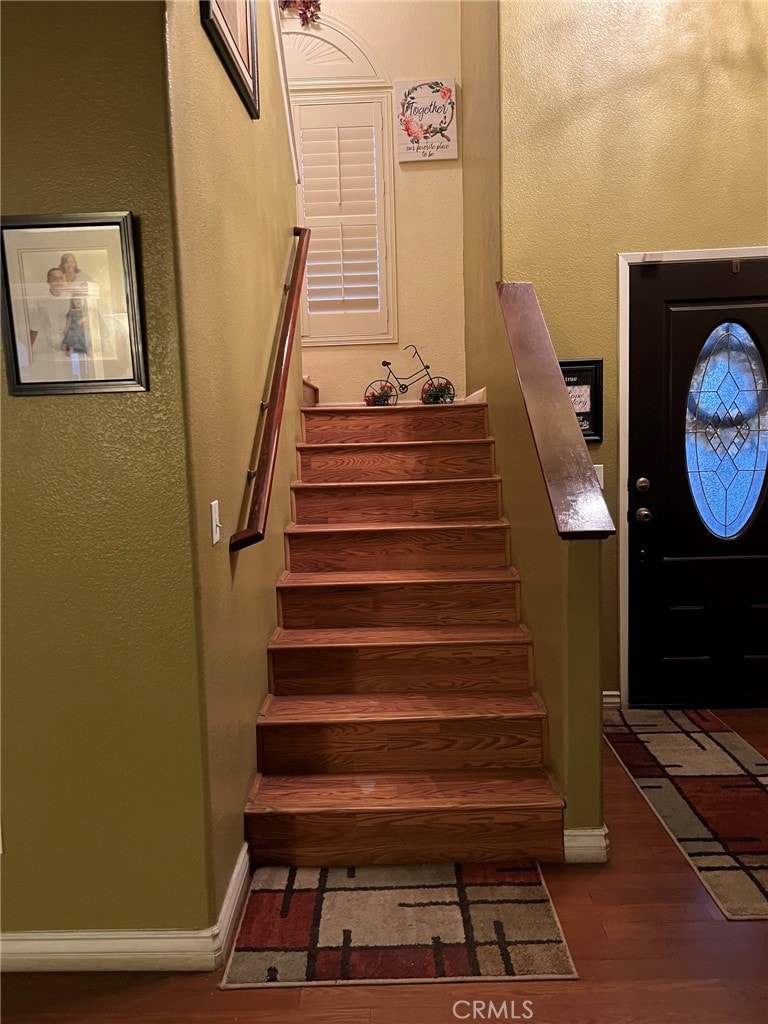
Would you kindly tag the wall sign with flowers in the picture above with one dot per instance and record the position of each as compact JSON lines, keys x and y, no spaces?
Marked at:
{"x":426,"y":120}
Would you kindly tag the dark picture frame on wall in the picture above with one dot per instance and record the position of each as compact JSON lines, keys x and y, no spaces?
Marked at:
{"x":584,"y":380}
{"x":231,"y":27}
{"x":70,"y":304}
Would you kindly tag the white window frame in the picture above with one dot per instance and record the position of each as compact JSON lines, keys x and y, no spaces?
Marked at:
{"x":383,"y":97}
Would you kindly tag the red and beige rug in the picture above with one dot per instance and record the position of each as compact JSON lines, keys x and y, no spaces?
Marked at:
{"x":709,"y":788}
{"x":395,"y":923}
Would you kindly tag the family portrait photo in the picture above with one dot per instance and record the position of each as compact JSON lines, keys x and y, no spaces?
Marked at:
{"x":70,"y":305}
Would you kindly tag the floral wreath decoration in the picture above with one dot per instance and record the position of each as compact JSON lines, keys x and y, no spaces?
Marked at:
{"x":309,"y":10}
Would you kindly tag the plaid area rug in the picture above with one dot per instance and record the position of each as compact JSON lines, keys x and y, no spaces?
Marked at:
{"x":708,"y":787}
{"x":395,"y":923}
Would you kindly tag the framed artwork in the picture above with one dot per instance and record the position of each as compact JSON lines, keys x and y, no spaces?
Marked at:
{"x":231,"y":26}
{"x":584,"y":380}
{"x":425,"y":120}
{"x":70,"y":305}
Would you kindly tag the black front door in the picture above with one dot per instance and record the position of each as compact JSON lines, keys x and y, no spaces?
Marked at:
{"x":698,"y":450}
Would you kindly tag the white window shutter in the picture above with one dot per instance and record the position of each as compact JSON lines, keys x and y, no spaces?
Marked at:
{"x":340,"y":148}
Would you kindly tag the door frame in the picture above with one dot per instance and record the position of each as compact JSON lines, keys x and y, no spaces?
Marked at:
{"x":626,"y":259}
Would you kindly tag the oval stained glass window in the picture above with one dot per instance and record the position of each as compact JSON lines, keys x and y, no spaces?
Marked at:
{"x":726,"y":431}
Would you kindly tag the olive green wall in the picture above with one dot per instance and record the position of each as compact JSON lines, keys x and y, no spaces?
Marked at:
{"x":563,"y":621}
{"x":480,"y":127}
{"x":103,"y":784}
{"x":134,"y":658}
{"x":637,"y":126}
{"x":583,"y":734}
{"x":235,"y":211}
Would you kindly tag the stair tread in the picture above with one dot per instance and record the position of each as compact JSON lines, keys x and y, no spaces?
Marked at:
{"x":326,"y":446}
{"x":524,"y":787}
{"x":372,"y":410}
{"x":397,"y":707}
{"x":404,"y":484}
{"x":403,"y":524}
{"x":399,"y":577}
{"x":360,"y":636}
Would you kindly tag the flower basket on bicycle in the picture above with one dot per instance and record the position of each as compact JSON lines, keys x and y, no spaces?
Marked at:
{"x":380,"y":392}
{"x":435,"y":391}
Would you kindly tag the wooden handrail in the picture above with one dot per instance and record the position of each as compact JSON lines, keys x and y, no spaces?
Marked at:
{"x":574,"y":493}
{"x":256,"y":526}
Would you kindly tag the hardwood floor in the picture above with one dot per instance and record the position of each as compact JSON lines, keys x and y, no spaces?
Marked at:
{"x":650,"y":946}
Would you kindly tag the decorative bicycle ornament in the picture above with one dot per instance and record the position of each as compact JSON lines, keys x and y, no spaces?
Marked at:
{"x":386,"y":391}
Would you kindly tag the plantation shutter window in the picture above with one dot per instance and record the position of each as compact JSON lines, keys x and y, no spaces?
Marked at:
{"x":342,"y":192}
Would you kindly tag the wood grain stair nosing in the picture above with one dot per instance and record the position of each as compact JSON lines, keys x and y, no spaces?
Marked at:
{"x":498,"y":635}
{"x":415,"y":795}
{"x":397,"y":578}
{"x":347,"y":446}
{"x":405,"y":485}
{"x":397,"y":708}
{"x":402,"y":525}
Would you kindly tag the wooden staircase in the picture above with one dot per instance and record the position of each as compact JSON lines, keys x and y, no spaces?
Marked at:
{"x":401,"y":723}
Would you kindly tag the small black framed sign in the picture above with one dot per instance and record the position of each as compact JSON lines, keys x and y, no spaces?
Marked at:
{"x":584,"y":380}
{"x":231,"y":26}
{"x":70,"y":304}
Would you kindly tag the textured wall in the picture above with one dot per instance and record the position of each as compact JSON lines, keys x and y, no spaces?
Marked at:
{"x":481,"y":172}
{"x":626,"y":126}
{"x":408,"y":41}
{"x":235,"y":211}
{"x":103,"y":786}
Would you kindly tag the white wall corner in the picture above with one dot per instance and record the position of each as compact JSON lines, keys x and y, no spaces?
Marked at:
{"x":476,"y":398}
{"x":586,"y":845}
{"x":137,"y":950}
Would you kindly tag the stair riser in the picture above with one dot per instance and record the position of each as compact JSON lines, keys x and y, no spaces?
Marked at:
{"x":438,"y":462}
{"x":475,"y":668}
{"x":394,"y":424}
{"x":404,"y":837}
{"x":472,"y":669}
{"x":371,"y":746}
{"x":429,"y":604}
{"x":397,"y":503}
{"x":457,"y":548}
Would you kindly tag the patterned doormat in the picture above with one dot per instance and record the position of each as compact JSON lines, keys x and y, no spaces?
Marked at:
{"x":708,"y":788}
{"x":395,"y":923}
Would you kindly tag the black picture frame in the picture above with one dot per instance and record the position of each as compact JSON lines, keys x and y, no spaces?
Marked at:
{"x":231,"y":27}
{"x":584,"y":380}
{"x":70,"y":304}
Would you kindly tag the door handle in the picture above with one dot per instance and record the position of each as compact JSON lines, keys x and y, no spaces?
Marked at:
{"x":643,"y":515}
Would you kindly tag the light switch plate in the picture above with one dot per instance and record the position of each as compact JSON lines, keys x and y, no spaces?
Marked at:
{"x":215,"y":524}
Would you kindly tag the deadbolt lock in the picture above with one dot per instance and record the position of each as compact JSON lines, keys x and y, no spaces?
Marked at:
{"x":643,"y":484}
{"x":643,"y":515}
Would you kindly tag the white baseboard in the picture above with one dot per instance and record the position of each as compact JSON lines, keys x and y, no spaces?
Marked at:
{"x":586,"y":845}
{"x":611,"y":698}
{"x":138,"y":950}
